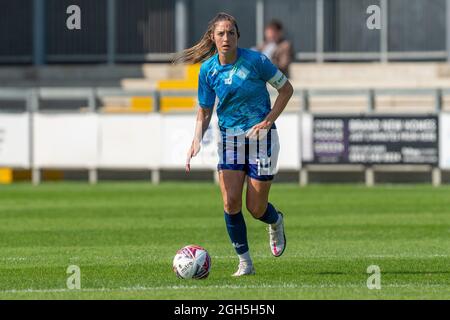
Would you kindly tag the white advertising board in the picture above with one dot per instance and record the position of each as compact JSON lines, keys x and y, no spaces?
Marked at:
{"x":129,"y":141}
{"x":307,"y":137}
{"x":177,"y":132}
{"x":289,"y":134}
{"x":14,"y":140}
{"x":444,"y":148}
{"x":65,"y":140}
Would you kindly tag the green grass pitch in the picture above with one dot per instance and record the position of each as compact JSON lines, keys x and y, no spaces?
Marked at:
{"x":123,"y":236}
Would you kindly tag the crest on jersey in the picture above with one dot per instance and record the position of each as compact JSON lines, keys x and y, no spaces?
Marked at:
{"x":242,"y":73}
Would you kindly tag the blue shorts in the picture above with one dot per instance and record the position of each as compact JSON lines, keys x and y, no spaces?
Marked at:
{"x":257,"y":158}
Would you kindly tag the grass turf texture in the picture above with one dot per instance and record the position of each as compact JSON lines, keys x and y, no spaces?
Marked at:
{"x":123,"y":236}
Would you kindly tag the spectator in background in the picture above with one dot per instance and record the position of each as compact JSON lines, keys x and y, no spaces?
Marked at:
{"x":276,"y":47}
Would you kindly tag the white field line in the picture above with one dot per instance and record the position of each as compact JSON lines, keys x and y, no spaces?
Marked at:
{"x":259,"y":256}
{"x":14,"y":259}
{"x":370,"y":256}
{"x":215,"y":287}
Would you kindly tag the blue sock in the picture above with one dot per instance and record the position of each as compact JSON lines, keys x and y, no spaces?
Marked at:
{"x":271,"y":215}
{"x":237,"y":230}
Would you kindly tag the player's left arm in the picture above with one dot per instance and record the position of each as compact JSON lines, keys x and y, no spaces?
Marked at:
{"x":284,"y":94}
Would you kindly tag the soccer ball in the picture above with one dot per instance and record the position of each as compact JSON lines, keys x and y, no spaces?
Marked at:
{"x":192,"y":262}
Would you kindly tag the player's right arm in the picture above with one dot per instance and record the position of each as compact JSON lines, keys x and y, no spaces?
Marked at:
{"x":206,"y":99}
{"x":203,"y":119}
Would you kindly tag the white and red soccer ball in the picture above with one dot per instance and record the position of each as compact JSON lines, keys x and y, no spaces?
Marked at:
{"x":192,"y":262}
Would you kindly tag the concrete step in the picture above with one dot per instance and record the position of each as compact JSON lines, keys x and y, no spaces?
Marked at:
{"x":159,"y":71}
{"x":139,"y":84}
{"x":363,"y":71}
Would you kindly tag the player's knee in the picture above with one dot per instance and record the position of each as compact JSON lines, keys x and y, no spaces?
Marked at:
{"x":232,"y":204}
{"x":257,"y":210}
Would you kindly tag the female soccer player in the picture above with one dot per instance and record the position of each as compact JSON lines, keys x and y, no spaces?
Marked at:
{"x":249,"y":147}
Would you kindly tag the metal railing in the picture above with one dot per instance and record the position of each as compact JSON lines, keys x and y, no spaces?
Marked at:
{"x":33,"y":97}
{"x":93,"y":94}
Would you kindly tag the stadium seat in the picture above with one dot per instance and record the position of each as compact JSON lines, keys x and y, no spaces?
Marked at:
{"x":141,"y":104}
{"x":6,"y":176}
{"x":183,"y":103}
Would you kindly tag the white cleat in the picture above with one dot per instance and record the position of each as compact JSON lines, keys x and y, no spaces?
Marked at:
{"x":277,"y":237}
{"x":244,"y":269}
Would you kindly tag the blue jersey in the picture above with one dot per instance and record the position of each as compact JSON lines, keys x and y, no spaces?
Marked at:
{"x":243,"y":99}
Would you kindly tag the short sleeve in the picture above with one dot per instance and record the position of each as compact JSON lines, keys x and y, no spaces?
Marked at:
{"x":206,"y":95}
{"x":270,"y":73}
{"x":266,"y":68}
